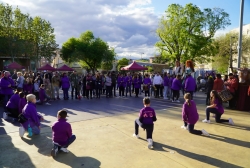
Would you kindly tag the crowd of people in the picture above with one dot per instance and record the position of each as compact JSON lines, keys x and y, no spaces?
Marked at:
{"x":42,"y":87}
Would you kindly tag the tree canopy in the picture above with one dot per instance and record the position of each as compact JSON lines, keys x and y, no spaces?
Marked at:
{"x":122,"y":63}
{"x":187,"y":32}
{"x":91,"y":52}
{"x":22,"y":35}
{"x":221,"y":60}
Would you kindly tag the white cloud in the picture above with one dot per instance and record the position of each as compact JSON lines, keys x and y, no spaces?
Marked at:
{"x":126,"y":24}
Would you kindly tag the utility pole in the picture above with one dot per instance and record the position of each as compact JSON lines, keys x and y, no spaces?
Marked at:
{"x":240,"y":34}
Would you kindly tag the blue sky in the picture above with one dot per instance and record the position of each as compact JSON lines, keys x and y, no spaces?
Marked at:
{"x":232,"y":7}
{"x":126,"y":25}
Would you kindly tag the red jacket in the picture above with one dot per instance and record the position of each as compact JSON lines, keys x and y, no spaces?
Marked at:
{"x":218,"y":85}
{"x":232,"y":85}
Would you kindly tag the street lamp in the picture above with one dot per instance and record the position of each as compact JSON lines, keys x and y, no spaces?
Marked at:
{"x":231,"y":55}
{"x":141,"y":55}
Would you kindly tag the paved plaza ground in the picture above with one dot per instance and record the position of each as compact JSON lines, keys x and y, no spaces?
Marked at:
{"x":104,"y":131}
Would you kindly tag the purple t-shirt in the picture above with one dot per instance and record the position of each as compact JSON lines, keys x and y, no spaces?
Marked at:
{"x":219,"y":106}
{"x":147,"y":114}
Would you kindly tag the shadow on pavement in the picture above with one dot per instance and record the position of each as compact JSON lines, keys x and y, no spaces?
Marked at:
{"x":42,"y":142}
{"x":230,"y":140}
{"x":202,"y":158}
{"x":73,"y":161}
{"x":12,"y":156}
{"x":233,"y":126}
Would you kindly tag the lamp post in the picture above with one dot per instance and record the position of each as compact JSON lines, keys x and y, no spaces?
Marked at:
{"x":240,"y":34}
{"x":231,"y":55}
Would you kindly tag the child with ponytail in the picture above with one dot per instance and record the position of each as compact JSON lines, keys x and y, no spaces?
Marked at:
{"x":190,"y":116}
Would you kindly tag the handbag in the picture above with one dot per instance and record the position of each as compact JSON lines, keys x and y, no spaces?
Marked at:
{"x":225,"y":95}
{"x":21,"y":118}
{"x":21,"y":131}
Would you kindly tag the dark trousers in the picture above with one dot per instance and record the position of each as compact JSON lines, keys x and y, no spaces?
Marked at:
{"x":161,"y":90}
{"x":89,"y":93}
{"x":36,"y":94}
{"x":70,"y":141}
{"x":128,"y":89}
{"x":13,"y":112}
{"x":232,"y":102}
{"x":148,"y":127}
{"x":136,"y":92}
{"x":84,"y":90}
{"x":191,"y":129}
{"x":108,"y":91}
{"x":191,"y":93}
{"x":147,"y":93}
{"x":98,"y":93}
{"x":157,"y":95}
{"x":176,"y":94}
{"x":217,"y":115}
{"x":72,"y":92}
{"x":65,"y":93}
{"x":121,"y":91}
{"x":208,"y":96}
{"x":113,"y":88}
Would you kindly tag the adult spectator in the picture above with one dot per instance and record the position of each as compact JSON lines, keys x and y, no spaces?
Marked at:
{"x":209,"y":87}
{"x":113,"y":86}
{"x":218,"y":83}
{"x":20,"y":80}
{"x":157,"y":82}
{"x":6,"y":84}
{"x":56,"y":82}
{"x":190,"y":85}
{"x":232,"y":86}
{"x":74,"y":83}
{"x":47,"y":84}
{"x":165,"y":84}
{"x":65,"y":86}
{"x":108,"y":83}
{"x":14,"y":76}
{"x":177,"y":69}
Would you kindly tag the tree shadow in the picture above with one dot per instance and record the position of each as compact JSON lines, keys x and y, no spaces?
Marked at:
{"x":73,"y":161}
{"x":12,"y":156}
{"x":202,"y":158}
{"x":230,"y":140}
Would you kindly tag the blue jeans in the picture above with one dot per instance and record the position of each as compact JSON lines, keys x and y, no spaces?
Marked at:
{"x":165,"y":92}
{"x":66,"y":93}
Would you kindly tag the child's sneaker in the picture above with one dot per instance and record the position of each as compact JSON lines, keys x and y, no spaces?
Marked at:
{"x":64,"y":150}
{"x":205,"y":132}
{"x":206,"y":121}
{"x":230,"y":120}
{"x":150,"y":143}
{"x":54,"y":151}
{"x":178,"y":101}
{"x":47,"y":104}
{"x":184,"y":127}
{"x":137,"y":136}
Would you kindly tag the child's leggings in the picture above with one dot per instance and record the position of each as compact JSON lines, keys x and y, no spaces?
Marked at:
{"x":149,"y":128}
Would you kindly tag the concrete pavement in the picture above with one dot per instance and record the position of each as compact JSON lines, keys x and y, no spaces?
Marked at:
{"x":105,"y":140}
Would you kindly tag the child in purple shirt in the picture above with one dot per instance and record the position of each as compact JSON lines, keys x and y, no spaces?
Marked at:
{"x":190,"y":116}
{"x":146,"y":120}
{"x":61,"y":133}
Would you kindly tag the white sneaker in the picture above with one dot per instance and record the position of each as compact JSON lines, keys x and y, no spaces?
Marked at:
{"x":173,"y":101}
{"x":64,"y":150}
{"x":137,"y":136}
{"x":178,"y":101}
{"x":231,"y":121}
{"x":5,"y":116}
{"x":38,"y":101}
{"x":205,"y":132}
{"x":123,"y":96}
{"x":150,"y":143}
{"x":47,"y":104}
{"x":184,"y":127}
{"x":206,"y":121}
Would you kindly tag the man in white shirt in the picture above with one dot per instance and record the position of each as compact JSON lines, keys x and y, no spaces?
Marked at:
{"x":157,"y":82}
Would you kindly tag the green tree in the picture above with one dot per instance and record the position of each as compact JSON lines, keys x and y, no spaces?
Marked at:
{"x":221,"y":60}
{"x":187,"y":32}
{"x":87,"y":49}
{"x":122,"y":63}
